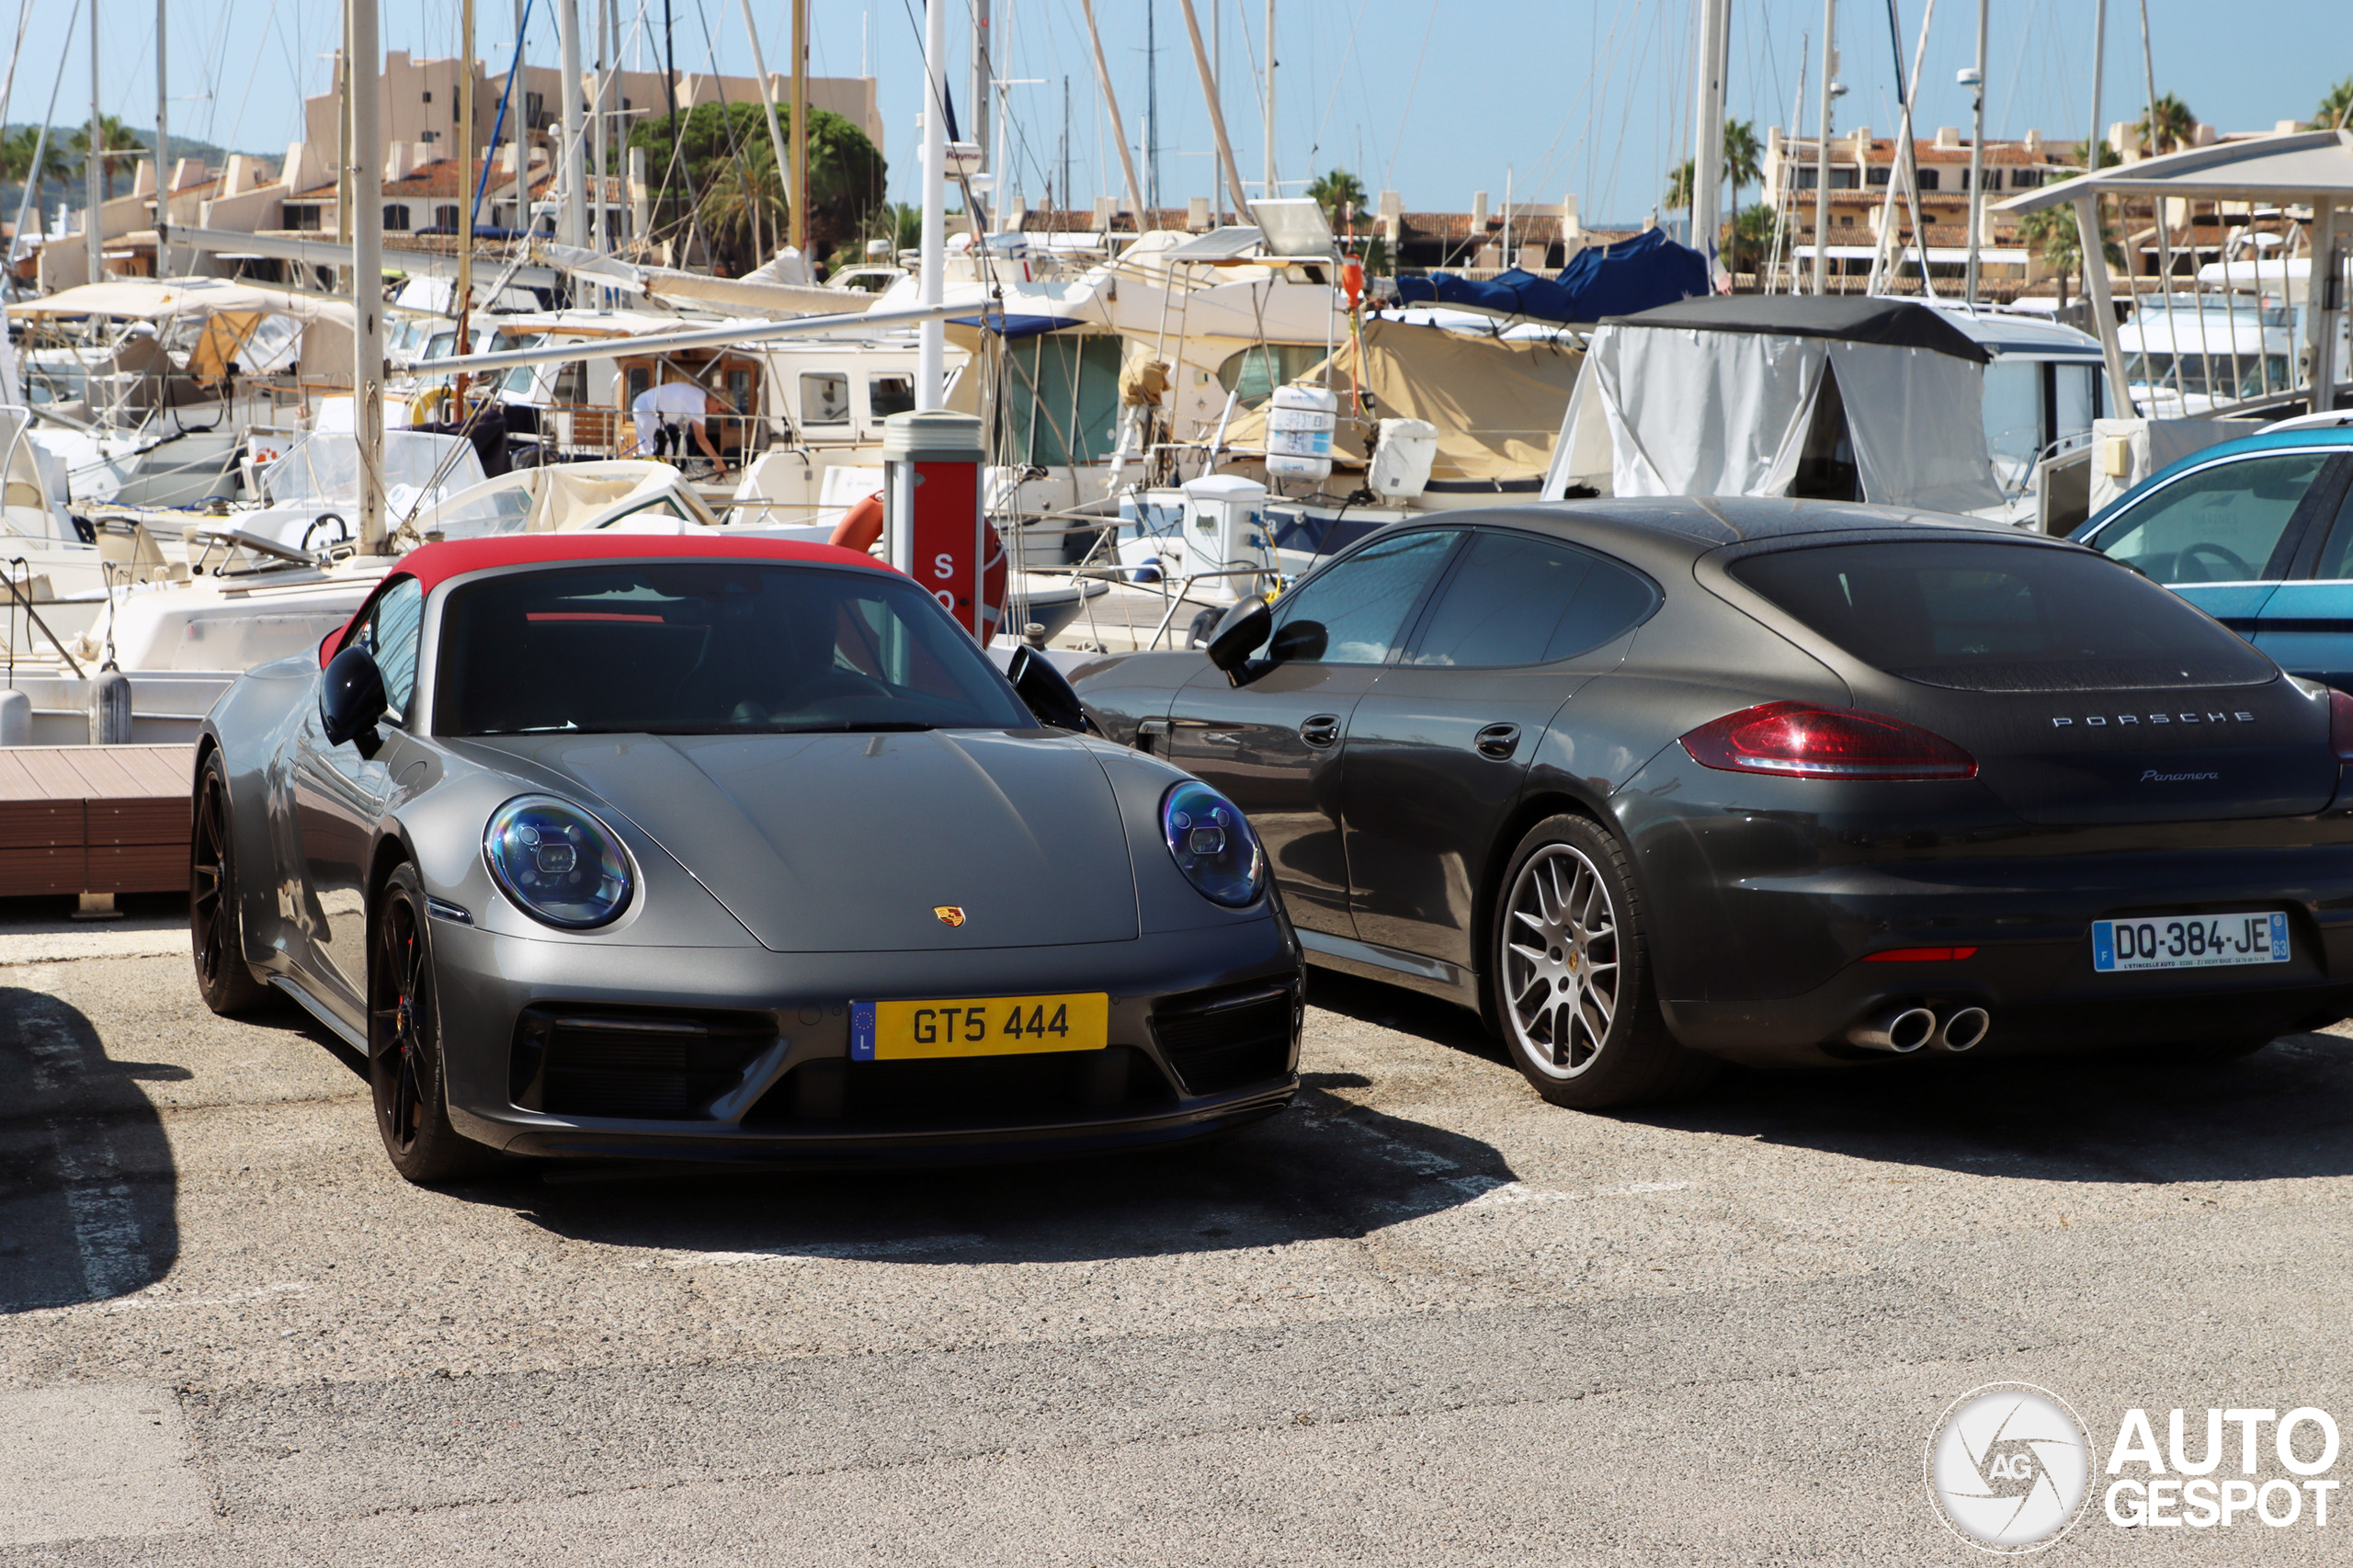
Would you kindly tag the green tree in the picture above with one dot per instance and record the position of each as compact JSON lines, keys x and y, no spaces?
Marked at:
{"x":2336,"y":110}
{"x":17,"y":158}
{"x":1679,"y":186}
{"x":1338,"y":193}
{"x":2172,"y":121}
{"x":1752,"y":233}
{"x":2054,"y":234}
{"x":113,"y":137}
{"x":1743,"y":158}
{"x":715,"y":162}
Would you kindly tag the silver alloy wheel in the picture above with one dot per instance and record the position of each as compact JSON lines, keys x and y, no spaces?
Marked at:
{"x":1559,"y":962}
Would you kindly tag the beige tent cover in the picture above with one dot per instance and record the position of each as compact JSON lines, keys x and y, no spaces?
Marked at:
{"x":1497,"y":406}
{"x":139,"y":300}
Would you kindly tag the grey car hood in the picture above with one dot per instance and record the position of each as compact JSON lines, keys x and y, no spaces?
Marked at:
{"x":847,"y":843}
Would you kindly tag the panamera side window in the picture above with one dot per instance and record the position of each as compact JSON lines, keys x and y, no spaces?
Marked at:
{"x":1354,"y":612}
{"x":1521,"y":601}
{"x":2218,"y":525}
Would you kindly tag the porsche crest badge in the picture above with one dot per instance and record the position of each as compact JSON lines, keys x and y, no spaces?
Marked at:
{"x":949,"y":913}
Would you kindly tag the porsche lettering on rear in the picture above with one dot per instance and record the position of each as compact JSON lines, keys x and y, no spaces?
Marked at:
{"x":2099,"y":721}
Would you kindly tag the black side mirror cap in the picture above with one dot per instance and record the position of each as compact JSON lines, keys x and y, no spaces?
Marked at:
{"x":1046,"y":692}
{"x":1239,"y":633}
{"x":351,"y":700}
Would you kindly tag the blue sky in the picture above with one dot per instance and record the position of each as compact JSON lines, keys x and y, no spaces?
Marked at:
{"x":1434,"y":98}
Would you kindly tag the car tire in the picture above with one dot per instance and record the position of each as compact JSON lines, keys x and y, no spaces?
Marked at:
{"x":216,"y":934}
{"x":1577,"y":1010}
{"x":405,"y":1075}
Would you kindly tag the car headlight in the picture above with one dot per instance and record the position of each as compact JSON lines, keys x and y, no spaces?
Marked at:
{"x":1212,"y":843}
{"x":558,"y":863}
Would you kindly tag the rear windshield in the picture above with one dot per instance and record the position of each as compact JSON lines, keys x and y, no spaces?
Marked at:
{"x":1990,"y":616}
{"x":709,"y":647}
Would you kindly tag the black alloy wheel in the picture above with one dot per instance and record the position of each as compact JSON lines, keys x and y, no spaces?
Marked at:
{"x":404,"y":1063}
{"x":1570,"y":981}
{"x":223,"y":977}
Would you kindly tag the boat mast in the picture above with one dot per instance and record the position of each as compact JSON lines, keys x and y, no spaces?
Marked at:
{"x":571,"y":215}
{"x":522,"y":123}
{"x":1269,"y":192}
{"x":932,"y":337}
{"x":1977,"y":153}
{"x":1119,"y":126}
{"x":466,"y":211}
{"x":784,"y":164}
{"x":364,"y":69}
{"x":976,"y":112}
{"x":1708,"y":135}
{"x":162,"y":151}
{"x":800,"y":213}
{"x":1209,"y":92}
{"x":1822,"y":148}
{"x":91,"y":198}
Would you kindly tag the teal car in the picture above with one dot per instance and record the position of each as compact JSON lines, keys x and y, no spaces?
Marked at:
{"x":2258,"y":533}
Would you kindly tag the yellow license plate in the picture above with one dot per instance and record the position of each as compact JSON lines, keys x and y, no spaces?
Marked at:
{"x":980,"y":1026}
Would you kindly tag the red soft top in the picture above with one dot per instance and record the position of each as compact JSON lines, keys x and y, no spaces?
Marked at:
{"x":434,"y":565}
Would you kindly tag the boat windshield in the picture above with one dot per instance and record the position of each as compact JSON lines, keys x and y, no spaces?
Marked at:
{"x":709,"y":647}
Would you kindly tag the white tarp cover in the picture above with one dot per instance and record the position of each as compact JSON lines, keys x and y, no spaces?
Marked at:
{"x":1679,"y":412}
{"x":419,"y":467}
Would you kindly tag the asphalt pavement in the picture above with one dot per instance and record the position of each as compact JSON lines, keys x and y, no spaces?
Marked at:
{"x":1420,"y":1318}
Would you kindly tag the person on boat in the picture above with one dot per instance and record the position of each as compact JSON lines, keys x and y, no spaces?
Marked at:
{"x":664,"y":413}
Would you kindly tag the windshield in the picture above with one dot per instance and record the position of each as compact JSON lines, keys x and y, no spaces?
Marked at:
{"x":1992,"y":616}
{"x":709,"y":647}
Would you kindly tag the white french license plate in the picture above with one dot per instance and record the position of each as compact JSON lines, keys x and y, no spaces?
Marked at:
{"x":2188,"y":941}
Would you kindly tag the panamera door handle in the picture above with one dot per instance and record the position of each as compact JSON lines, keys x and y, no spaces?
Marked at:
{"x":1322,"y":729}
{"x":1497,"y":741}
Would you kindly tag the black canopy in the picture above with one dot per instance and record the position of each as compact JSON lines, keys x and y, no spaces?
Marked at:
{"x":1893,"y":324}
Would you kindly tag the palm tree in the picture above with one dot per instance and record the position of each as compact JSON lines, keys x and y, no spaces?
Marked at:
{"x":2055,"y":234}
{"x":113,"y":137}
{"x":1743,"y":157}
{"x":1752,"y":232}
{"x":1338,"y":193}
{"x":1679,"y":186}
{"x":2167,"y":126}
{"x":17,"y":158}
{"x":2335,"y":111}
{"x":744,"y":198}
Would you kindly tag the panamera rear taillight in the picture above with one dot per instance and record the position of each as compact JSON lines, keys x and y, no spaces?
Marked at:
{"x":2340,"y":724}
{"x":1799,"y":740}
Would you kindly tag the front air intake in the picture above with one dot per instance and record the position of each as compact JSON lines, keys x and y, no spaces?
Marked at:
{"x":1228,"y":1038}
{"x":664,"y":1067}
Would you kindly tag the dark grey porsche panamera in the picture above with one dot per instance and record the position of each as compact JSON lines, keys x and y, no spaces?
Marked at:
{"x":1652,"y":782}
{"x":600,"y":845}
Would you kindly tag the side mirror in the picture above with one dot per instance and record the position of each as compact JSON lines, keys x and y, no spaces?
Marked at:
{"x":1046,"y":692}
{"x":1300,"y":640}
{"x":351,"y":699}
{"x":1239,"y":634}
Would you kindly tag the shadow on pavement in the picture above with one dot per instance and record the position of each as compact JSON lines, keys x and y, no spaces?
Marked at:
{"x":2112,"y":1116}
{"x":88,"y":1186}
{"x":1324,"y":1168}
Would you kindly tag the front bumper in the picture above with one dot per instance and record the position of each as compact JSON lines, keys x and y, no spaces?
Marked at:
{"x":783,"y":1088}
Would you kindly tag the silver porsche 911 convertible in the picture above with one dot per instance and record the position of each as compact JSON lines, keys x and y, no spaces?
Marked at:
{"x":721,"y":849}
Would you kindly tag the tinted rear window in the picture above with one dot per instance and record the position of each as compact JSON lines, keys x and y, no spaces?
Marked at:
{"x":1989,"y":616}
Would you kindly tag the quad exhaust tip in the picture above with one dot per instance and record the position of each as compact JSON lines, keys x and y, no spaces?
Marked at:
{"x":1963,"y":1028}
{"x":1903,"y":1031}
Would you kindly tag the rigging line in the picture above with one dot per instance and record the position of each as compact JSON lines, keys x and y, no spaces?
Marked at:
{"x":1406,"y":109}
{"x":1338,"y":81}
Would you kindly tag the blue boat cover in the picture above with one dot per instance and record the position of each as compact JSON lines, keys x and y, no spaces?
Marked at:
{"x":1017,"y":325}
{"x":1602,"y":280}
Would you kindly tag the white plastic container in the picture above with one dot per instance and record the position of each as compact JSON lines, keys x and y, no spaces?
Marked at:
{"x":1299,"y":432}
{"x":1401,"y":459}
{"x":1225,"y":528}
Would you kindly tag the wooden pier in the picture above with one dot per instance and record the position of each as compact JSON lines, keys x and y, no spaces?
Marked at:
{"x":97,"y":820}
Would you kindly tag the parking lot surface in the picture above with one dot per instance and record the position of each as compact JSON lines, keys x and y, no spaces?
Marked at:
{"x":1420,"y":1318}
